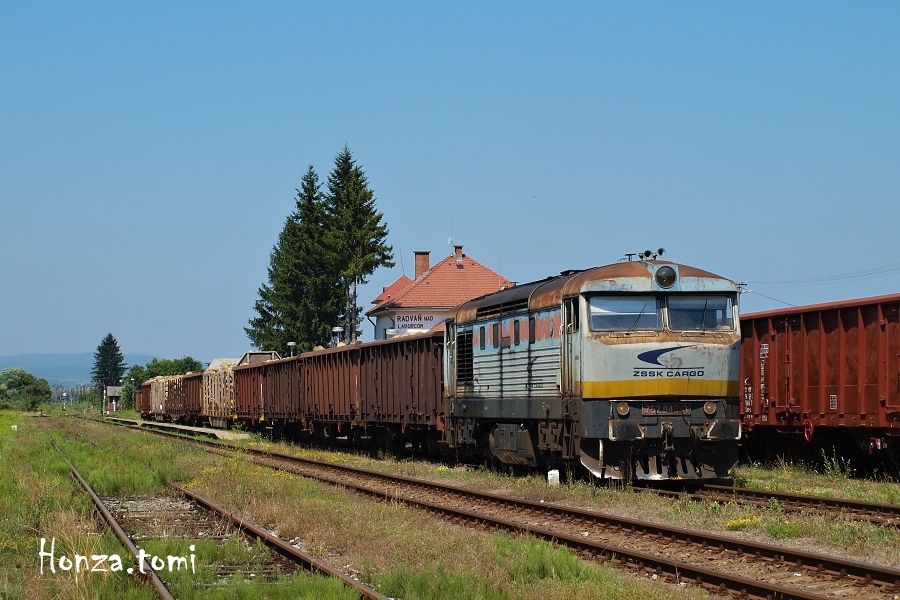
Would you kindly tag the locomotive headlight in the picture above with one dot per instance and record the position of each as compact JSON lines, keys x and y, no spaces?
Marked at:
{"x":623,"y":409}
{"x":709,"y":408}
{"x":665,"y":277}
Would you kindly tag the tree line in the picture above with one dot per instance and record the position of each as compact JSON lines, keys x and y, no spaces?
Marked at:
{"x":138,"y":374}
{"x":110,"y":369}
{"x":21,"y":390}
{"x":329,"y":245}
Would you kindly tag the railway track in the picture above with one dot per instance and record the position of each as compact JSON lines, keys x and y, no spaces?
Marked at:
{"x":279,"y":546}
{"x":308,"y":561}
{"x":718,"y":562}
{"x":887,"y":515}
{"x":150,"y":574}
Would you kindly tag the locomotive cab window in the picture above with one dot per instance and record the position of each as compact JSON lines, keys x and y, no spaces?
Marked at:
{"x":701,"y":313}
{"x":625,"y":313}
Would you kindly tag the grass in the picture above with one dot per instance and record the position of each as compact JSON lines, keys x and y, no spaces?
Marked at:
{"x":814,"y":531}
{"x":409,"y":554}
{"x":834,"y":482}
{"x":38,"y":498}
{"x":406,"y":553}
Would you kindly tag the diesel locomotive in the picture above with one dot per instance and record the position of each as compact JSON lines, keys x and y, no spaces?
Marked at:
{"x":629,"y":369}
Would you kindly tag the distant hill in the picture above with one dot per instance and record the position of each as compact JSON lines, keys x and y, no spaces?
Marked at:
{"x":63,"y":369}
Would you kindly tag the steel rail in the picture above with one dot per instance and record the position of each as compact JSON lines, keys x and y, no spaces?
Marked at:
{"x":308,"y":561}
{"x":839,"y":503}
{"x":126,"y":541}
{"x":841,"y":567}
{"x":887,"y":515}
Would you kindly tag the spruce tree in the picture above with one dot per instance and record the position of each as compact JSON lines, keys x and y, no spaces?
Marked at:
{"x":109,"y":364}
{"x":316,"y":304}
{"x":356,"y":234}
{"x":267,"y":329}
{"x":299,"y":301}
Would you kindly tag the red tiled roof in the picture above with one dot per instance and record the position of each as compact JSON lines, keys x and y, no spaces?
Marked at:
{"x":445,"y":286}
{"x":392,"y":290}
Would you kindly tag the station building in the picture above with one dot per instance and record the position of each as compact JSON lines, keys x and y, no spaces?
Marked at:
{"x":423,"y":303}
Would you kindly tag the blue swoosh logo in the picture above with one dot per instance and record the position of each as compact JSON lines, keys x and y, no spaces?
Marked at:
{"x":652,"y":356}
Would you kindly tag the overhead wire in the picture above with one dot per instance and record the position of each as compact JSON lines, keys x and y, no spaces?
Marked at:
{"x":769,"y":297}
{"x":848,"y":276}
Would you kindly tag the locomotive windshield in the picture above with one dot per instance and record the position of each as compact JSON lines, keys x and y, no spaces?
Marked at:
{"x":625,"y":313}
{"x":700,"y":313}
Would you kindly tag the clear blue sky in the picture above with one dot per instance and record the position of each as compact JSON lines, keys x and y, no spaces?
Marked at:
{"x":149,"y":155}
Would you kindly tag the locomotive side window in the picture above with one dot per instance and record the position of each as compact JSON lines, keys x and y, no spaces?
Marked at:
{"x":625,"y":313}
{"x":532,"y":335}
{"x":517,"y":335}
{"x":701,"y":313}
{"x":482,"y":337}
{"x":495,"y":333}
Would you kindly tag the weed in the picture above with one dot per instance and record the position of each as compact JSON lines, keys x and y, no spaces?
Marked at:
{"x":834,"y":466}
{"x":741,"y":523}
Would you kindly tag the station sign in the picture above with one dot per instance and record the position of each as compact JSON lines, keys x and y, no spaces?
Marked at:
{"x":408,"y":321}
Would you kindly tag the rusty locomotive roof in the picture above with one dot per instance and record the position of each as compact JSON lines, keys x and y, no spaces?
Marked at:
{"x":549,"y":292}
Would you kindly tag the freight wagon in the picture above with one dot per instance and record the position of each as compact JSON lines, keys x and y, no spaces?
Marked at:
{"x":248,"y":387}
{"x":162,"y":397}
{"x":217,"y":400}
{"x":823,"y":378}
{"x":142,"y":400}
{"x":185,"y":392}
{"x":380,"y":394}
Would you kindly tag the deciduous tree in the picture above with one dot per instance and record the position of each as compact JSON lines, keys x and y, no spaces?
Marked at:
{"x":20,"y":389}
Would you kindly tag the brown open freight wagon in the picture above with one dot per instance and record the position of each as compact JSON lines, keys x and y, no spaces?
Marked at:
{"x":824,"y":373}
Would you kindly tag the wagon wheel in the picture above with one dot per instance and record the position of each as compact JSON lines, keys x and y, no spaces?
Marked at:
{"x":809,"y":429}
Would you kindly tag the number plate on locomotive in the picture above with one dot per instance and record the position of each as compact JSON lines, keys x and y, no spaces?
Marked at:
{"x":668,"y":410}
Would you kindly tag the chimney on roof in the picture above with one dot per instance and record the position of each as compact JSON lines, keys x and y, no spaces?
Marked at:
{"x":457,"y":251}
{"x":422,"y":262}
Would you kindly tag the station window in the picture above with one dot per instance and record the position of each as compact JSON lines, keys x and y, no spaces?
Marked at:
{"x":495,"y":333}
{"x":482,"y":337}
{"x":531,"y":330}
{"x":516,"y":333}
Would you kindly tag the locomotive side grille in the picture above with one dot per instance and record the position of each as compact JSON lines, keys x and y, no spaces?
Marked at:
{"x":496,"y":310}
{"x":464,"y":358}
